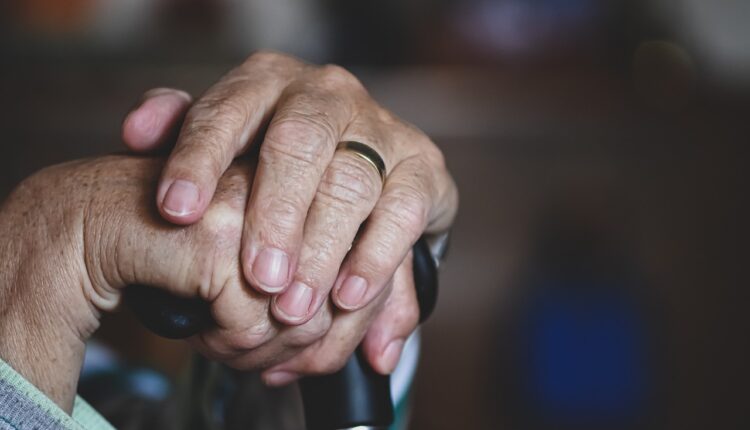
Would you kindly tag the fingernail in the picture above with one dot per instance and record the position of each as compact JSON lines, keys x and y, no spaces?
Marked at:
{"x":391,"y":354}
{"x":270,"y":269}
{"x":181,"y":198}
{"x":295,"y":302}
{"x":352,"y":291}
{"x":280,"y":378}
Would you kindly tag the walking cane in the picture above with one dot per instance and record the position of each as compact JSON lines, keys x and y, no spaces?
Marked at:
{"x":354,"y":397}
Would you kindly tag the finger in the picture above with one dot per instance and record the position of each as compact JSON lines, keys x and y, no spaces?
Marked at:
{"x":394,"y":225}
{"x":331,"y":352}
{"x":237,"y":309}
{"x":286,"y":342}
{"x":217,"y":128}
{"x":385,"y":339}
{"x":242,"y":322}
{"x":345,"y":197}
{"x":241,"y":314}
{"x":149,"y":126}
{"x":198,"y":260}
{"x":298,"y":146}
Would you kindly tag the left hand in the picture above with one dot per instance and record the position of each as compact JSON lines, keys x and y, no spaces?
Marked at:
{"x":308,"y":200}
{"x":73,"y":235}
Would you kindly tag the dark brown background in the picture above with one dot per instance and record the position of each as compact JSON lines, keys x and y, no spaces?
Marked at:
{"x":654,"y":159}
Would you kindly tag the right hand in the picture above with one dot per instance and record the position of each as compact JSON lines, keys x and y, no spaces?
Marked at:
{"x":320,"y":222}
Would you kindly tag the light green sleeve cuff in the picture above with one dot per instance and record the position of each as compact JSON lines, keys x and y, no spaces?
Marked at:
{"x":22,"y":406}
{"x":87,"y":417}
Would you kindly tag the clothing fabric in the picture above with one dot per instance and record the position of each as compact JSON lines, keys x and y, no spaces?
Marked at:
{"x":24,"y":407}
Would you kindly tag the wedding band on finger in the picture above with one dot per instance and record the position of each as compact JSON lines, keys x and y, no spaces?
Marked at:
{"x":366,"y":153}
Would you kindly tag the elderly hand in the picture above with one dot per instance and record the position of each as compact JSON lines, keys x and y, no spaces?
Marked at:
{"x":73,"y":235}
{"x":309,"y":201}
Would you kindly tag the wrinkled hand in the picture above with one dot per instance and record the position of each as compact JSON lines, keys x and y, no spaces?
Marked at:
{"x":73,"y":235}
{"x":308,"y":200}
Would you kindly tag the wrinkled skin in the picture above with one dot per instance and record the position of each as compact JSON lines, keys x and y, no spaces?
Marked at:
{"x":305,"y":240}
{"x":75,"y":234}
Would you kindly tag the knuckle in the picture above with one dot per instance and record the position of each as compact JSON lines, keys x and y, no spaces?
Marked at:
{"x":377,"y":265}
{"x":272,"y":63}
{"x":425,"y":173}
{"x":348,"y":182}
{"x":207,"y":265}
{"x":338,"y":76}
{"x":319,"y":268}
{"x":205,"y":131}
{"x":283,"y":214}
{"x":266,"y":56}
{"x":310,"y":332}
{"x":387,"y":117}
{"x":298,"y":139}
{"x":249,"y":338}
{"x":203,"y":155}
{"x":222,"y":109}
{"x":222,"y":225}
{"x":406,"y":208}
{"x":285,"y":206}
{"x":432,"y":153}
{"x":422,"y":145}
{"x":262,"y":55}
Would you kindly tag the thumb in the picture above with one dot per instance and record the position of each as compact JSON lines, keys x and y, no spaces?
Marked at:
{"x":127,"y":242}
{"x":150,"y":124}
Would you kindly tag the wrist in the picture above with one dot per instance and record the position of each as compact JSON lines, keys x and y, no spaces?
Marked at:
{"x":45,"y":318}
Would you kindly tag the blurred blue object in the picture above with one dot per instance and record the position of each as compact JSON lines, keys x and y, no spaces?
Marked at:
{"x":148,"y":384}
{"x":586,"y":353}
{"x":521,"y":28}
{"x":105,"y":379}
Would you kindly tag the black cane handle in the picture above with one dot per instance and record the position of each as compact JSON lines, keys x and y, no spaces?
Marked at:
{"x":354,"y":396}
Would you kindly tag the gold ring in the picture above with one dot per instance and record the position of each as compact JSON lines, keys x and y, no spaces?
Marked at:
{"x":366,"y":153}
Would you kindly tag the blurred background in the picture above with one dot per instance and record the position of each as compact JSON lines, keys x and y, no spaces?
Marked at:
{"x":597,"y":272}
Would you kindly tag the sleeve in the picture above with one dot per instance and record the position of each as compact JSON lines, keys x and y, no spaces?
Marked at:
{"x":24,"y":407}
